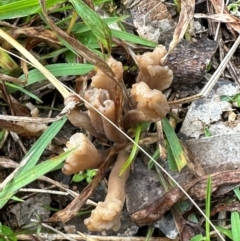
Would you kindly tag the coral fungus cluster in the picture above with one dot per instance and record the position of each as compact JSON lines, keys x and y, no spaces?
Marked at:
{"x":148,"y":104}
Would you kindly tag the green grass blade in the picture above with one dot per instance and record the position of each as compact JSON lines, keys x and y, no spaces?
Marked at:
{"x":17,"y":199}
{"x":128,"y":37}
{"x":99,"y":28}
{"x":235,"y":222}
{"x":133,"y":153}
{"x":13,"y":88}
{"x":225,"y":231}
{"x":58,"y":70}
{"x":170,"y":157}
{"x":197,"y":237}
{"x":53,"y":54}
{"x":82,"y":28}
{"x":237,"y":192}
{"x":175,"y":146}
{"x":33,"y":155}
{"x":6,"y":233}
{"x":149,"y":233}
{"x":155,"y":156}
{"x":37,"y":149}
{"x":89,"y":39}
{"x":208,"y":207}
{"x":98,"y":2}
{"x":25,"y":178}
{"x":22,"y":8}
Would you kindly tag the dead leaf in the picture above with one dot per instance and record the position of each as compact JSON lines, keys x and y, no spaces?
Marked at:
{"x":37,"y":32}
{"x":186,"y":14}
{"x":151,"y":19}
{"x":217,"y":4}
{"x":11,"y":79}
{"x":21,"y":130}
{"x":220,"y":17}
{"x":233,"y":206}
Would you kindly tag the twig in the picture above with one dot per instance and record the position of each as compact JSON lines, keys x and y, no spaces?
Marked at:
{"x":46,"y":236}
{"x":30,"y":119}
{"x":18,"y":140}
{"x":65,"y":236}
{"x":43,"y":191}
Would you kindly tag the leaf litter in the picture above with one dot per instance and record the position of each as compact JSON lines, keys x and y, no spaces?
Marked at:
{"x":197,"y":186}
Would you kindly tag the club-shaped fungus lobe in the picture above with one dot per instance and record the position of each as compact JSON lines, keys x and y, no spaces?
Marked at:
{"x":85,"y":156}
{"x":107,"y":214}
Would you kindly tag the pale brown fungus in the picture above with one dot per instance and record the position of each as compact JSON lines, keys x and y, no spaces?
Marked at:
{"x":102,"y":81}
{"x":81,"y":119}
{"x":85,"y":156}
{"x":151,"y":72}
{"x":153,"y":103}
{"x":96,"y":97}
{"x":111,"y":132}
{"x":107,"y":214}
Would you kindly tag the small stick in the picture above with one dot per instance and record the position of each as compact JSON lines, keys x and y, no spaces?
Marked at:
{"x":51,"y":236}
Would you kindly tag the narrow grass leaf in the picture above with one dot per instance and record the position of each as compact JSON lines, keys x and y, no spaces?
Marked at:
{"x":132,"y":38}
{"x":13,"y":88}
{"x":225,"y":231}
{"x":237,"y":192}
{"x":58,"y":70}
{"x":53,"y":54}
{"x":17,"y":199}
{"x":2,"y":133}
{"x":149,"y":233}
{"x":134,"y":149}
{"x":37,"y":149}
{"x":99,"y":28}
{"x":197,"y":237}
{"x":235,"y":222}
{"x":18,"y":9}
{"x":82,"y":28}
{"x":155,"y":156}
{"x":24,"y":178}
{"x":6,"y":233}
{"x":208,"y":207}
{"x":89,"y":39}
{"x":175,"y":146}
{"x":35,"y":152}
{"x":98,"y":2}
{"x":171,"y":159}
